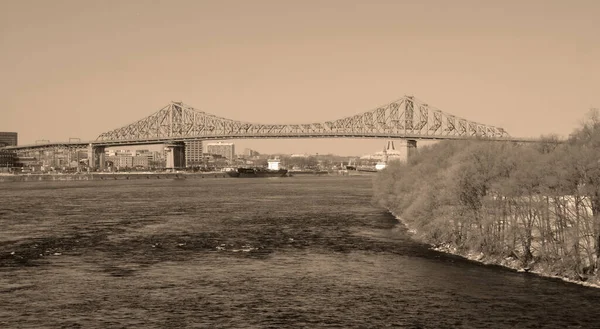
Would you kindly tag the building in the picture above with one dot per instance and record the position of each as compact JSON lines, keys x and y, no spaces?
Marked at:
{"x":8,"y":139}
{"x":7,"y":159}
{"x":193,"y":153}
{"x":273,"y":164}
{"x":27,"y":161}
{"x":79,"y":157}
{"x":391,"y":152}
{"x":158,"y":160}
{"x":112,"y":153}
{"x":250,"y":153}
{"x":141,"y":161}
{"x":145,"y":154}
{"x":226,"y":150}
{"x":122,"y":159}
{"x":215,"y":161}
{"x":127,"y":162}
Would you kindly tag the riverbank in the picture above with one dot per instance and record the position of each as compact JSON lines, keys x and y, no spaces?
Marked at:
{"x":149,"y":175}
{"x":506,"y":262}
{"x":110,"y":176}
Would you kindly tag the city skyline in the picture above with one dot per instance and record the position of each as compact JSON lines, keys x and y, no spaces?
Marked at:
{"x":380,"y":144}
{"x":70,"y":72}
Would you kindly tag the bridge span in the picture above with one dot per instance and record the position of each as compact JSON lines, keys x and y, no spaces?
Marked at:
{"x":406,"y":118}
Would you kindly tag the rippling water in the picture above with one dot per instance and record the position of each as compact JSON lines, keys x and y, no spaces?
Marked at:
{"x":248,"y":253}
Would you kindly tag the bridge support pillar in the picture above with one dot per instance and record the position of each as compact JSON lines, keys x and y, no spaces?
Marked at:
{"x":411,"y":148}
{"x":406,"y":148}
{"x":96,"y":157}
{"x":175,"y":154}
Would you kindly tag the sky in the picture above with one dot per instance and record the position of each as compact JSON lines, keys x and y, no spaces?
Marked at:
{"x":76,"y":69}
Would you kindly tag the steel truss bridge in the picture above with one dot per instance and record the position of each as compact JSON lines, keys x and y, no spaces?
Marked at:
{"x":406,"y":118}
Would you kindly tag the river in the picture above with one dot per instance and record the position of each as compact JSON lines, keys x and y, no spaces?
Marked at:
{"x":296,"y":252}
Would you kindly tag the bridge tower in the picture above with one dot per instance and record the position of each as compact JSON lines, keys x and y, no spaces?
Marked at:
{"x":402,"y":151}
{"x":96,"y":157}
{"x":175,"y":153}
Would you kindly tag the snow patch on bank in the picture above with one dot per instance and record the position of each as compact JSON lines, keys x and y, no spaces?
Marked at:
{"x":508,"y":262}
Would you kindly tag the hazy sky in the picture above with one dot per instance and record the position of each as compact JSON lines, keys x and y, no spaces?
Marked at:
{"x":80,"y":68}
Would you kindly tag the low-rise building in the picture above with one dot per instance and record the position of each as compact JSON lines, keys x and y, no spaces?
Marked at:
{"x":7,"y":160}
{"x":250,"y":153}
{"x":27,"y":161}
{"x":227,"y":150}
{"x":120,"y":161}
{"x":141,"y":161}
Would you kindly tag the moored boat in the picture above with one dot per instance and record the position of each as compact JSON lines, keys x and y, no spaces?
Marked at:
{"x":307,"y":172}
{"x":257,"y":172}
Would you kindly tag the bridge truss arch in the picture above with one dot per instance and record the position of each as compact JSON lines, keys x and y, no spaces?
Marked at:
{"x":406,"y":117}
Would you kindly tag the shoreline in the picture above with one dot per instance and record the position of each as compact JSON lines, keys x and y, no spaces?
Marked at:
{"x":108,"y":176}
{"x":85,"y":176}
{"x":481,"y":258}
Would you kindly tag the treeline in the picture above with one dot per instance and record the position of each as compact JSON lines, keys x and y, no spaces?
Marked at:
{"x":535,"y":203}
